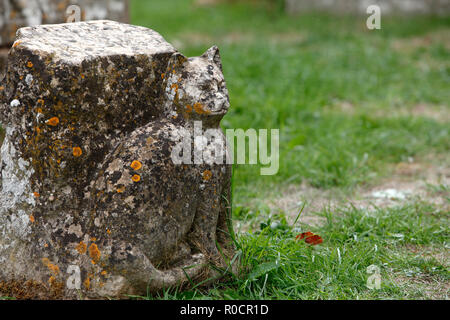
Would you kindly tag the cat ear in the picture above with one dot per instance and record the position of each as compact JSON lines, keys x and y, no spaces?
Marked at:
{"x":176,"y":61}
{"x":213,"y":55}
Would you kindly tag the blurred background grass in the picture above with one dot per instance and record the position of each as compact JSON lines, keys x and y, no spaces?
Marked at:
{"x":345,"y":98}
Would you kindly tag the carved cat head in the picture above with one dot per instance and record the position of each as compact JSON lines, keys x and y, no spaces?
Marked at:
{"x":195,"y":87}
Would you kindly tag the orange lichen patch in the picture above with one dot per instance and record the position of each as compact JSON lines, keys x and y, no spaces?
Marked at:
{"x":30,"y":64}
{"x":36,"y":194}
{"x":108,"y":231}
{"x":162,"y":75}
{"x":87,"y":283}
{"x":120,"y":189}
{"x":103,"y":273}
{"x":82,"y":76}
{"x":41,"y":101}
{"x":207,"y":175}
{"x":76,"y":151}
{"x":136,"y":178}
{"x":53,"y":268}
{"x":32,"y":290}
{"x":16,"y":44}
{"x":45,"y":245}
{"x":174,"y":86}
{"x":94,"y":253}
{"x":93,"y":239}
{"x":31,"y":218}
{"x":198,"y":107}
{"x":93,"y":262}
{"x":51,"y":280}
{"x":136,"y":165}
{"x":81,"y":247}
{"x":53,"y":121}
{"x":188,"y":108}
{"x":2,"y":88}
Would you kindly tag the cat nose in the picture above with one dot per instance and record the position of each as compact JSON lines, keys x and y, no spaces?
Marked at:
{"x":222,"y":105}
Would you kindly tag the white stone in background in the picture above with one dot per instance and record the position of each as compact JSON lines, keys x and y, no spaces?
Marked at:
{"x":274,"y":225}
{"x":390,"y":194}
{"x":439,"y":7}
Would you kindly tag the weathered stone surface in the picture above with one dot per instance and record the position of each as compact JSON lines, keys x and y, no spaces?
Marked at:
{"x":91,"y":112}
{"x":438,"y":7}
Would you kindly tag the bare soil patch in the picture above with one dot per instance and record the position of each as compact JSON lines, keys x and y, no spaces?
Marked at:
{"x":438,"y":113}
{"x":430,"y":287}
{"x":409,"y":181}
{"x":409,"y":45}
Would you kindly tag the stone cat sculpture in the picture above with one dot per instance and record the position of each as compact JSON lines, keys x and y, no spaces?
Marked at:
{"x":159,"y":214}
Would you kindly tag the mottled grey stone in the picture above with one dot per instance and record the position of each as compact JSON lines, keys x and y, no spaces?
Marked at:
{"x":438,"y":7}
{"x":91,"y":110}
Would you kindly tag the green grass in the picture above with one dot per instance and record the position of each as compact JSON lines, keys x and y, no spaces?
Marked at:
{"x":290,"y":85}
{"x":293,"y":73}
{"x":276,"y":266}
